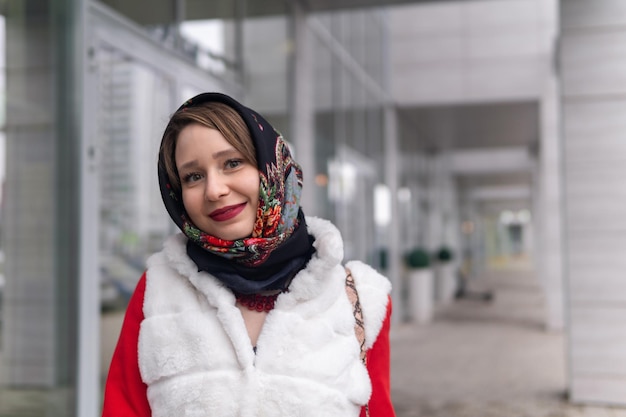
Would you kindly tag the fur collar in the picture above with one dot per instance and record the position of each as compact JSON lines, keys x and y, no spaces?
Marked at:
{"x":308,"y":284}
{"x":329,"y":254}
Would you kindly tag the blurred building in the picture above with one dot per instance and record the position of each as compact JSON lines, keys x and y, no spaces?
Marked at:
{"x":491,"y":127}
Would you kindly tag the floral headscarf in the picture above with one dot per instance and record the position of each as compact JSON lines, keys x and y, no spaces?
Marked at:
{"x":279,"y":244}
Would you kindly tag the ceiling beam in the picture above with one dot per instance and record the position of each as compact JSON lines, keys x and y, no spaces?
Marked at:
{"x":160,"y":12}
{"x":491,"y":161}
{"x":500,"y":193}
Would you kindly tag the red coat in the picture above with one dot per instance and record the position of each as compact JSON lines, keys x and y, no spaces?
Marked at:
{"x":125,"y":392}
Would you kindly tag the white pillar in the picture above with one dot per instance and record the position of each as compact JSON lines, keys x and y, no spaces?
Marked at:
{"x":88,"y":374}
{"x":474,"y":242}
{"x":437,"y":172}
{"x":392,"y":163}
{"x":593,"y":97}
{"x":302,"y":132}
{"x":550,"y":220}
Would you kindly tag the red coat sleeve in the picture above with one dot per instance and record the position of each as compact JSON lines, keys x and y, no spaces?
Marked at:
{"x":125,"y":394}
{"x":378,"y":362}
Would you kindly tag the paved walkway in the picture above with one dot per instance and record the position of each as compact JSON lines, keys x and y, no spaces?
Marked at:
{"x":479,"y":359}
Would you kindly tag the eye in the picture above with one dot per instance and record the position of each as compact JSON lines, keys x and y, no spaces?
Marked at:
{"x":233,"y":163}
{"x":191,"y":177}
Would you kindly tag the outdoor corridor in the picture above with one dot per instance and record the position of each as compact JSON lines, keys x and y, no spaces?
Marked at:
{"x":485,"y":359}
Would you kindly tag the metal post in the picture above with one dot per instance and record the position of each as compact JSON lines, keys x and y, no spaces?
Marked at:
{"x":88,"y":369}
{"x":392,"y":180}
{"x":302,"y":106}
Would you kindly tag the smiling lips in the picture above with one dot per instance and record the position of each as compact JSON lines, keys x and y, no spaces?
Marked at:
{"x":227,"y":213}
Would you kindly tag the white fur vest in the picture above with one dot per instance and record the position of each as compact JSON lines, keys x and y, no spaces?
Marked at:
{"x":197,"y":360}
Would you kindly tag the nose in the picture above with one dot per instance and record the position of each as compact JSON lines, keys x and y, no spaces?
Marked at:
{"x":216,"y":186}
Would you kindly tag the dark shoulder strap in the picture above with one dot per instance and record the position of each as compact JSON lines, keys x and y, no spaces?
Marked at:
{"x":359,"y":328}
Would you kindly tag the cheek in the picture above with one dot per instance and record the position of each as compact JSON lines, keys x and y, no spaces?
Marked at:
{"x":253,"y":185}
{"x":189,"y":201}
{"x":254,"y":191}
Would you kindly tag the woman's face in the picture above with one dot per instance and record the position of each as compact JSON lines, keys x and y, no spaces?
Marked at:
{"x":220,"y":189}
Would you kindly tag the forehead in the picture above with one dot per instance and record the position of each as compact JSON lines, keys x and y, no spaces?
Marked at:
{"x":196,"y":136}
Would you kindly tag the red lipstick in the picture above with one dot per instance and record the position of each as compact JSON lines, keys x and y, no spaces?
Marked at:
{"x":227,"y":213}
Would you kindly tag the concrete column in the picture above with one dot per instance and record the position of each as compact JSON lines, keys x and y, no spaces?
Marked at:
{"x":451,"y":211}
{"x":593,"y":96}
{"x":303,"y":102}
{"x":550,"y":253}
{"x":433,"y":234}
{"x":89,"y":303}
{"x":442,"y":211}
{"x":392,"y":162}
{"x":471,"y":253}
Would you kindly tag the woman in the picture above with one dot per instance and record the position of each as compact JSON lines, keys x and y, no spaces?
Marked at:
{"x":249,"y":311}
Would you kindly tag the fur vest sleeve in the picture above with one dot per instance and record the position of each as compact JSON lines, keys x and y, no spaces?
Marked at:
{"x":197,"y":360}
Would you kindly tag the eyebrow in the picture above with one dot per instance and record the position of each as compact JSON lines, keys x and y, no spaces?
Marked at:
{"x":225,"y":152}
{"x":220,"y":154}
{"x":187,"y":165}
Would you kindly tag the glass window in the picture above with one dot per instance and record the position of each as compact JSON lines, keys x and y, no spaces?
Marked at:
{"x":38,"y":252}
{"x":348,"y":123}
{"x":134,"y":102}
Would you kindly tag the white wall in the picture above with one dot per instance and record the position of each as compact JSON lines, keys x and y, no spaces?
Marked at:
{"x":594,"y":103}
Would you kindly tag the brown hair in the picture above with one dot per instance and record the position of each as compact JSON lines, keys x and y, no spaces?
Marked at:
{"x":213,"y":115}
